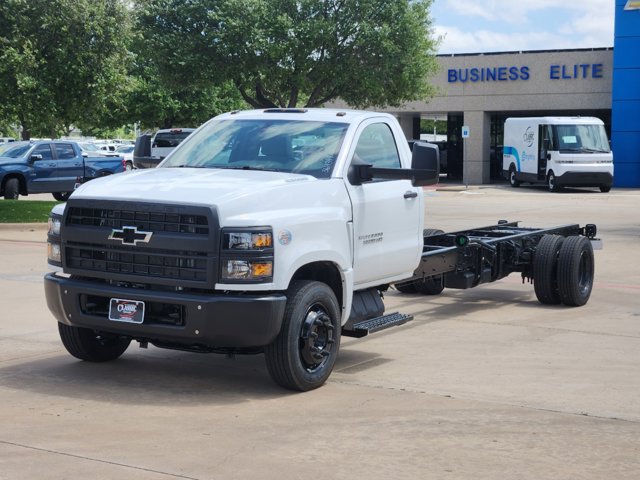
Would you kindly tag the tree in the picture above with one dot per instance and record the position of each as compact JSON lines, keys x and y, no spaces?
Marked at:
{"x":157,"y":104}
{"x":63,"y":61}
{"x":290,"y":52}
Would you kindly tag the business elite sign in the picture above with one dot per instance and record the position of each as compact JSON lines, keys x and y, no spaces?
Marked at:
{"x":512,"y":73}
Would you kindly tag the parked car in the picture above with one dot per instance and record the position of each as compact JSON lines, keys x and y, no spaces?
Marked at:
{"x":126,"y":152}
{"x":47,"y":166}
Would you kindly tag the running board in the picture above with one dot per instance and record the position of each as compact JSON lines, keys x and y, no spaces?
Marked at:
{"x":373,"y":325}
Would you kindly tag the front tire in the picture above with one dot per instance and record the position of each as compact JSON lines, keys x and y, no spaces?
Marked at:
{"x":12,"y":189}
{"x":303,"y":354}
{"x":552,"y":182}
{"x":92,"y":346}
{"x":605,"y":188}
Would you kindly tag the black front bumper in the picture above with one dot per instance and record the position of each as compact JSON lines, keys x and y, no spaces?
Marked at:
{"x":585,"y":179}
{"x":175,"y":318}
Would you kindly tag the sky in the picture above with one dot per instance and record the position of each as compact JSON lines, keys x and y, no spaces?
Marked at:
{"x":472,"y":26}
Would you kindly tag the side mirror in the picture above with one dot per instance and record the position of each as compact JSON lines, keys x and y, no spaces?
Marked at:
{"x":425,"y":161}
{"x":36,"y":156}
{"x":425,"y":168}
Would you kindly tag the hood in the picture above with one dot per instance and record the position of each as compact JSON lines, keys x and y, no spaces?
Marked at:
{"x":8,"y":160}
{"x":190,"y":186}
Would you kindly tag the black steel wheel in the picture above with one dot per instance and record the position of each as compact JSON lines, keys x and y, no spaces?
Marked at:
{"x":545,"y":268}
{"x":92,"y":346}
{"x":303,"y":354}
{"x":575,"y":271}
{"x":512,"y":177}
{"x":61,"y":196}
{"x":12,"y":189}
{"x":605,"y":188}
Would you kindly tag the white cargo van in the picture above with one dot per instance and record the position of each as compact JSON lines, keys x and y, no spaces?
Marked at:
{"x":558,"y":151}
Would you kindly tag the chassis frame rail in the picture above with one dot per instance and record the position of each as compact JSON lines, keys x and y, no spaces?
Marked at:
{"x":468,"y":258}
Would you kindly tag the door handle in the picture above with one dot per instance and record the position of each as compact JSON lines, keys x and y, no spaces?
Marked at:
{"x":51,"y":164}
{"x":410,"y":194}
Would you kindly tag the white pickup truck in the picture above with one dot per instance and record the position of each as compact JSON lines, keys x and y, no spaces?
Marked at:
{"x":277,"y":231}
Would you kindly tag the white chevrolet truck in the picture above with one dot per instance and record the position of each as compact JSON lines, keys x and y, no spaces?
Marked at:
{"x":277,"y":231}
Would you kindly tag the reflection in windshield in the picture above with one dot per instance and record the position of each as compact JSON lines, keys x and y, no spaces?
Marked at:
{"x":17,"y":150}
{"x":291,"y":146}
{"x":582,"y":138}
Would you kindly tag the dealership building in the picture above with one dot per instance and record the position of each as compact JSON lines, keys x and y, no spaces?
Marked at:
{"x":480,"y":91}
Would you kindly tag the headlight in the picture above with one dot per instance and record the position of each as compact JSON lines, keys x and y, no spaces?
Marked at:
{"x":259,"y":270}
{"x":249,"y":240}
{"x":54,"y":225}
{"x":53,"y":253}
{"x":247,"y":255}
{"x":53,"y":240}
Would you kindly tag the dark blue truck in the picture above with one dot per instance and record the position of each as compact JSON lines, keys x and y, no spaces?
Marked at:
{"x":47,"y":166}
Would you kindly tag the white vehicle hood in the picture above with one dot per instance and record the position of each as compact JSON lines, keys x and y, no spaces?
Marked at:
{"x":192,"y":186}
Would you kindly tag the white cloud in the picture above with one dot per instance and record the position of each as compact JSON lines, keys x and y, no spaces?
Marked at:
{"x":585,"y":24}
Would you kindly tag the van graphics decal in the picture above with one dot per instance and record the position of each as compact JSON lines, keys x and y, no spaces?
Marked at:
{"x":529,"y":136}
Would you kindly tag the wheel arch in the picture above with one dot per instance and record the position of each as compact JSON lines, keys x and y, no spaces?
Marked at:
{"x":326,"y":272}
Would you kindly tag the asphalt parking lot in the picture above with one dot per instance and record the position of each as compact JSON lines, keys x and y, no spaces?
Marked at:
{"x":482,"y":384}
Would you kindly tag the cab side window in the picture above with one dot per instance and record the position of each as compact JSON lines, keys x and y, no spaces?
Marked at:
{"x":64,"y":151}
{"x":377,"y":146}
{"x":44,"y":150}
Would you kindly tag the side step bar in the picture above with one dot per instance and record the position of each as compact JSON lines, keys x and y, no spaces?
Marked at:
{"x":373,"y":325}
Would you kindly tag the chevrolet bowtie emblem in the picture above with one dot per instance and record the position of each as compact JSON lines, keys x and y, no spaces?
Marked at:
{"x":130,"y":235}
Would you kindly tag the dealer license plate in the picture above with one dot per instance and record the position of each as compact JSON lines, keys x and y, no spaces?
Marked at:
{"x":130,"y":311}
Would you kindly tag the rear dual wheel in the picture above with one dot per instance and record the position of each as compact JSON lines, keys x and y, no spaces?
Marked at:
{"x":563,"y":270}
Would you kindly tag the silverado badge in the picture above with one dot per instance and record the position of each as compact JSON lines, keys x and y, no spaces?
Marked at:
{"x":130,"y":235}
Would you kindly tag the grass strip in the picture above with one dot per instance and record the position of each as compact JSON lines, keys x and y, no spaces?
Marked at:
{"x":22,"y":211}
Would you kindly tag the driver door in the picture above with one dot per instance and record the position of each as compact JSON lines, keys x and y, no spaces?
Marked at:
{"x":386,"y":213}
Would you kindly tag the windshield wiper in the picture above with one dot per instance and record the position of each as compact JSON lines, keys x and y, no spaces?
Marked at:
{"x":248,"y":167}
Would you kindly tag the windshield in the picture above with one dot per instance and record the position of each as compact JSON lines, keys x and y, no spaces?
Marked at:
{"x":291,"y":146}
{"x":125,"y":149}
{"x":581,"y":138}
{"x":16,"y":150}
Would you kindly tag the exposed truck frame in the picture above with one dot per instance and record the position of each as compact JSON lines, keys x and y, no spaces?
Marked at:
{"x":468,"y":258}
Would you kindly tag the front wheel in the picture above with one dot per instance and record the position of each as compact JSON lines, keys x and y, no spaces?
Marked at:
{"x":92,"y":346}
{"x":61,"y":196}
{"x":303,"y":354}
{"x":605,"y":188}
{"x":128,"y":166}
{"x":12,"y":189}
{"x":552,"y":182}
